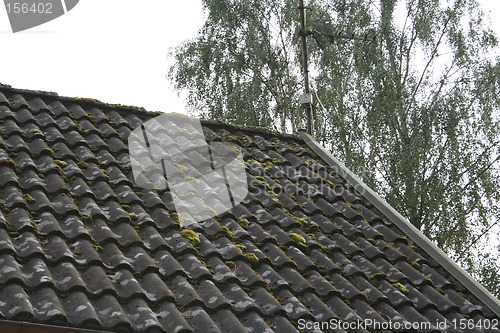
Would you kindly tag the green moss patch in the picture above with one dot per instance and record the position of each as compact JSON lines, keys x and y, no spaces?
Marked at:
{"x":191,"y":236}
{"x":252,"y":258}
{"x":62,"y":164}
{"x":298,"y":238}
{"x":401,"y":287}
{"x":28,"y":198}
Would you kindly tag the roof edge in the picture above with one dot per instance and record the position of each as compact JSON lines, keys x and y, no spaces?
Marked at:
{"x":24,"y":326}
{"x":249,"y":129}
{"x":83,"y":100}
{"x":140,"y":111}
{"x":416,"y":235}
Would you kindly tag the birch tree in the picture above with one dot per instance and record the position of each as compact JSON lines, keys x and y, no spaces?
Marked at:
{"x":415,"y":114}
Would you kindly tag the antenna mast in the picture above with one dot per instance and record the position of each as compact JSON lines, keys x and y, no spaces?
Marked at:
{"x":306,"y":98}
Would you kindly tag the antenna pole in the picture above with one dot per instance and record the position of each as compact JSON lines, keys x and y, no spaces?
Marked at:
{"x":306,"y":98}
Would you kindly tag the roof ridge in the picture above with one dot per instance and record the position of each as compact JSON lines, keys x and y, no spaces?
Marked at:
{"x":137,"y":110}
{"x":6,"y":87}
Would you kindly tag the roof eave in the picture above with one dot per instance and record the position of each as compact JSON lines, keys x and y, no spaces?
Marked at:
{"x":10,"y":326}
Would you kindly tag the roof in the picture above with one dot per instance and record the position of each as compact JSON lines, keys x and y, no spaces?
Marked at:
{"x":82,"y":246}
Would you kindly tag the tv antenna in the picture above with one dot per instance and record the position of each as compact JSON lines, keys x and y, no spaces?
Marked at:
{"x":305,"y":99}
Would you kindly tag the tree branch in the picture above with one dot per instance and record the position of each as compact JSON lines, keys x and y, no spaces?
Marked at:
{"x":472,"y":243}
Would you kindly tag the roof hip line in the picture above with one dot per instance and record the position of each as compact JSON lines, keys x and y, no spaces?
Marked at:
{"x":402,"y":223}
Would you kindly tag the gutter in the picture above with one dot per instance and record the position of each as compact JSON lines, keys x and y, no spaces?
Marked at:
{"x":406,"y":227}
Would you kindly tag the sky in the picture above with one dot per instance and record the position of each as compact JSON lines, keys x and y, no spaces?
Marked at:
{"x":111,"y":50}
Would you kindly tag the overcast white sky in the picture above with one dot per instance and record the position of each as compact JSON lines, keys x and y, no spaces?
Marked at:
{"x":111,"y":50}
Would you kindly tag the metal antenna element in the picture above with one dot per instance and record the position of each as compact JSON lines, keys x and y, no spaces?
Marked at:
{"x":340,"y":35}
{"x":306,"y":98}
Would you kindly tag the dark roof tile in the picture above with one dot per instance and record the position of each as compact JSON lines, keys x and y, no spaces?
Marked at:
{"x":4,"y":102}
{"x":254,"y":323}
{"x":281,"y":324}
{"x":16,"y":303}
{"x":298,"y":283}
{"x":324,"y":263}
{"x":345,"y":288}
{"x":318,"y":308}
{"x":72,"y":226}
{"x":74,"y":138}
{"x":193,"y":267}
{"x":19,"y":219}
{"x":26,"y":245}
{"x":13,"y":197}
{"x":66,"y":277}
{"x":300,"y":259}
{"x":273,"y":280}
{"x":367,"y":288}
{"x":437,"y":279}
{"x":16,"y":143}
{"x":45,"y":120}
{"x":9,"y":127}
{"x":84,"y":154}
{"x":227,"y":321}
{"x":391,"y":272}
{"x":151,"y":238}
{"x":7,"y":176}
{"x":10,"y":270}
{"x":292,"y":305}
{"x":56,"y":108}
{"x":83,"y":251}
{"x":166,"y":263}
{"x":266,"y":302}
{"x":6,"y":245}
{"x":54,"y":184}
{"x":97,"y":282}
{"x":111,"y":313}
{"x":80,"y":311}
{"x":62,"y":152}
{"x":172,"y":320}
{"x":77,"y":112}
{"x":47,"y":306}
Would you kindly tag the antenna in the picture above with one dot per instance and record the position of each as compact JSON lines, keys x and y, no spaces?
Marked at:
{"x":306,"y":98}
{"x":340,"y":35}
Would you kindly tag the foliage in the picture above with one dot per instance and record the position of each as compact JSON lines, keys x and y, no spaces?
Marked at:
{"x":415,"y":114}
{"x":244,"y":58}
